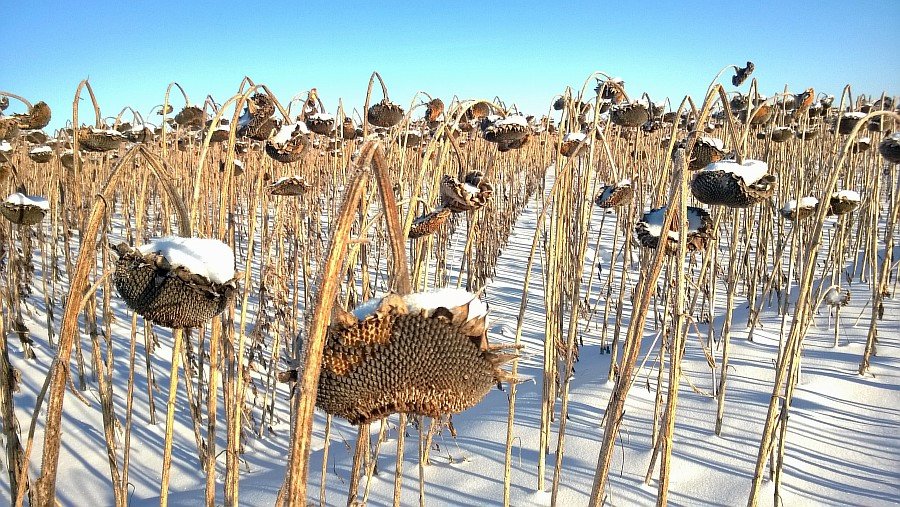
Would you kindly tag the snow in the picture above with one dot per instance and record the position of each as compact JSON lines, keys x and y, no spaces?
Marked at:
{"x":471,"y":189}
{"x":286,"y":132}
{"x":654,"y":222}
{"x":805,"y":202}
{"x":835,"y":296}
{"x":447,"y":298}
{"x":20,"y":199}
{"x":842,"y":446}
{"x":714,"y":142}
{"x":106,"y":132}
{"x":283,"y":135}
{"x":41,"y":149}
{"x":209,"y":258}
{"x":322,"y":117}
{"x":846,"y":195}
{"x":750,"y":171}
{"x":856,"y":115}
{"x":513,"y":120}
{"x":140,"y":127}
{"x":283,"y":179}
{"x":655,"y":230}
{"x":574,"y":136}
{"x":5,"y":146}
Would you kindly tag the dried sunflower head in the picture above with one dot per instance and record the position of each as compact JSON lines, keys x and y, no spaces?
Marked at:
{"x":424,"y":353}
{"x":742,"y":73}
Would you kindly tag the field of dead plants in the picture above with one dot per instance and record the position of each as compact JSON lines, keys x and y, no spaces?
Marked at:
{"x":447,"y":301}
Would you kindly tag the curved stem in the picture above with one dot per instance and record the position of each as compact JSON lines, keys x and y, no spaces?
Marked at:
{"x":294,"y":488}
{"x":384,"y":90}
{"x":840,"y":108}
{"x":245,"y":82}
{"x":239,"y":100}
{"x":84,"y":83}
{"x":718,"y":75}
{"x":19,"y":98}
{"x":45,"y":490}
{"x":366,"y":105}
{"x":59,"y":371}
{"x":593,"y":75}
{"x":165,"y":178}
{"x":281,"y":109}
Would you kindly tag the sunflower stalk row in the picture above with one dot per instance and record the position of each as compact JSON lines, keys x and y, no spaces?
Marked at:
{"x":276,"y":206}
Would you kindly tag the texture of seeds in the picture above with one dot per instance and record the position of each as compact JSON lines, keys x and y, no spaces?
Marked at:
{"x":171,"y":297}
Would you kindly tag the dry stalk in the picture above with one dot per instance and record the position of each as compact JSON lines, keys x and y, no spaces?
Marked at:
{"x":294,"y":489}
{"x":801,"y":319}
{"x":645,"y":289}
{"x":46,"y":484}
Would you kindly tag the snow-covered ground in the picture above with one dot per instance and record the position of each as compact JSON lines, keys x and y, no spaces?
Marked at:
{"x":842,"y":447}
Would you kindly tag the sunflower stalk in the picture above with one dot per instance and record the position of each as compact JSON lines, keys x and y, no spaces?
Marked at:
{"x":799,"y":325}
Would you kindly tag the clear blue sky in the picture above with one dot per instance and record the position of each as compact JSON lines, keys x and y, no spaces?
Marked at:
{"x":525,"y":52}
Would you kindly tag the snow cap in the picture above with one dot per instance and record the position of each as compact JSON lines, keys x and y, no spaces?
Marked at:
{"x":209,"y":258}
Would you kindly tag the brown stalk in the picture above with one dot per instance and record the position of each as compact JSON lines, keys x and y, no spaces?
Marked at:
{"x":676,"y":346}
{"x":645,"y":289}
{"x":46,"y":484}
{"x":801,"y":319}
{"x":15,"y":459}
{"x":879,"y":288}
{"x":294,"y":489}
{"x":178,"y":335}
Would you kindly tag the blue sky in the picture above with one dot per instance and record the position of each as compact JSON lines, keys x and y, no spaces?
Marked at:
{"x":525,"y":52}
